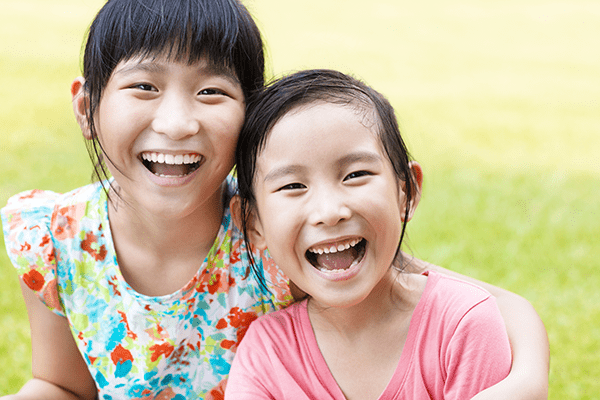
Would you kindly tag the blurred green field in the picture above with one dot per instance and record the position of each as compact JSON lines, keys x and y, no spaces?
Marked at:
{"x":498,"y":100}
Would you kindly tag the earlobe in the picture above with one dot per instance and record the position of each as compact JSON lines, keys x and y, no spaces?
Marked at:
{"x":80,"y":101}
{"x":417,"y":174}
{"x":253,"y":225}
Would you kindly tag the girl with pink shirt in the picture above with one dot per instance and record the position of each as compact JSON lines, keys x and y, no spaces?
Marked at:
{"x":327,"y":185}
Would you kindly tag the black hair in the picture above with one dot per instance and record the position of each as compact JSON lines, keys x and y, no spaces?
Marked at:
{"x":222,"y":32}
{"x":308,"y":87}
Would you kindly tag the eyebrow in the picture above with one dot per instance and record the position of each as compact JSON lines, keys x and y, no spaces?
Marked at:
{"x":359,"y":156}
{"x":146,"y":66}
{"x":158,"y":67}
{"x":282,"y":171}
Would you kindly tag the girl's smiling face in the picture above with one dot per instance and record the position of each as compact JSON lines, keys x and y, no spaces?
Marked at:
{"x":329,"y":206}
{"x":169,"y":131}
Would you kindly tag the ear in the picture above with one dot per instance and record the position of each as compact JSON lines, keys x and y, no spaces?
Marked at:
{"x":254,"y":229}
{"x":417,"y":174}
{"x":80,"y":101}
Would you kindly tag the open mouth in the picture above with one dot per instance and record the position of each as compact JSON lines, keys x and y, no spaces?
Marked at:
{"x":337,"y":256}
{"x":169,"y":165}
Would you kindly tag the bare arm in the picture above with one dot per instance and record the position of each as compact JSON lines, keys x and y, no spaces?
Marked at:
{"x":528,"y":378}
{"x":59,"y":371}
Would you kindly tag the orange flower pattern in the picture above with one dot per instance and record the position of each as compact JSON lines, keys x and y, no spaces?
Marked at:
{"x":178,"y":346}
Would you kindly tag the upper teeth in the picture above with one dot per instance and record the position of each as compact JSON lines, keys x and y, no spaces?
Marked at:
{"x":170,"y":158}
{"x":334,"y":248}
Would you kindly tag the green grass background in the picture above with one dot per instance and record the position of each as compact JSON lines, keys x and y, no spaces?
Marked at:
{"x":498,"y":100}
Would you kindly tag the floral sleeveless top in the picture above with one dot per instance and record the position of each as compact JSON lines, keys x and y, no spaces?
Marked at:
{"x":178,"y":346}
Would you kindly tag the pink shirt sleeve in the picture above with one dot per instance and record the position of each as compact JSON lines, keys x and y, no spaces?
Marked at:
{"x":243,"y":382}
{"x":478,"y":354}
{"x":279,"y":359}
{"x":459,"y":339}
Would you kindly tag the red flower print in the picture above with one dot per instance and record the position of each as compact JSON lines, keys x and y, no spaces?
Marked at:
{"x":159,"y":349}
{"x":235,"y":255}
{"x":165,"y":394}
{"x":238,"y":318}
{"x":218,"y":392}
{"x":227,"y":344}
{"x":90,"y":245}
{"x":120,"y":355}
{"x":114,"y":285}
{"x":64,"y":223}
{"x":34,"y":280}
{"x":51,"y":295}
{"x":30,"y":195}
{"x":45,"y":240}
{"x":48,"y":254}
{"x":222,"y":324}
{"x":213,"y":286}
{"x":130,"y":333}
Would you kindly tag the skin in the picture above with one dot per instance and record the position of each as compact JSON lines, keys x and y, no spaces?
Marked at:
{"x":164,"y":224}
{"x":301,"y":207}
{"x":323,"y":180}
{"x":155,"y":231}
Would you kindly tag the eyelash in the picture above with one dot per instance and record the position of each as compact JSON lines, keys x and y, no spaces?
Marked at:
{"x":212,"y":92}
{"x":356,"y":174}
{"x":352,"y":175}
{"x":146,"y":87}
{"x":292,"y":186}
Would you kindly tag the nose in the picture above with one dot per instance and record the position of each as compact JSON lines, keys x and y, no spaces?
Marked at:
{"x":175,"y":117}
{"x":329,"y":208}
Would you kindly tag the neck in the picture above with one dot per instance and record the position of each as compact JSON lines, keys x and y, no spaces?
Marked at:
{"x":159,"y":252}
{"x":167,"y":232}
{"x":391,"y":297}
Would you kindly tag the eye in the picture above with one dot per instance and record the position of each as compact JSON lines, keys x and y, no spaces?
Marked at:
{"x":146,"y":87}
{"x":356,"y":174}
{"x":211,"y":92}
{"x":292,"y":186}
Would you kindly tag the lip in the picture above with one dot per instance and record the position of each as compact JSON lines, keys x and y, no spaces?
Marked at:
{"x":172,"y":180}
{"x":339,"y":275}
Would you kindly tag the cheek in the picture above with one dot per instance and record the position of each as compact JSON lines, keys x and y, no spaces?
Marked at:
{"x":281,"y":227}
{"x":230,"y":123}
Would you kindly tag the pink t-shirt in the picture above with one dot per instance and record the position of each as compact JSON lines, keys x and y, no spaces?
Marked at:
{"x":456,"y":347}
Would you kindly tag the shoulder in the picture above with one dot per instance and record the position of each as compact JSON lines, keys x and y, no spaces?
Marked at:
{"x":275,"y":336}
{"x":39,"y":212}
{"x":462,"y":314}
{"x":279,"y":327}
{"x":33,"y":222}
{"x":449,"y":305}
{"x":268,"y":357}
{"x":41,"y":203}
{"x":461,"y":340}
{"x":454,"y":294}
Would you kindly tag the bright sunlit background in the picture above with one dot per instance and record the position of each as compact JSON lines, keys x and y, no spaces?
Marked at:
{"x":498,"y":100}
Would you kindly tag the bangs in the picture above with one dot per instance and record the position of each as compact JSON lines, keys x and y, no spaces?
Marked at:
{"x":183,"y":31}
{"x":219,"y":32}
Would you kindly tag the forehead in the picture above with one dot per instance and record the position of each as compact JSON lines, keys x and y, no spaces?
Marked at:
{"x":158,"y":63}
{"x":322,"y":132}
{"x":323,"y":121}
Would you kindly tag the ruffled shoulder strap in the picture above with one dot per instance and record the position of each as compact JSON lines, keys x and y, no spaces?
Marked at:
{"x":26,"y":222}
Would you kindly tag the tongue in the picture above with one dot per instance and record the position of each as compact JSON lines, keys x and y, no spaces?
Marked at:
{"x":169,"y":169}
{"x":339,"y":260}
